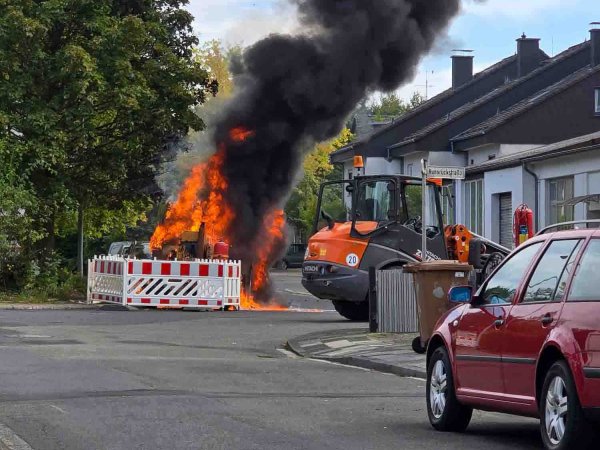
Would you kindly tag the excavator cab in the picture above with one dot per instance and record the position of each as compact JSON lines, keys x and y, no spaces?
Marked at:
{"x":386,"y":211}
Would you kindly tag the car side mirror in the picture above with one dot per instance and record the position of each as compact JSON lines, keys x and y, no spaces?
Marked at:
{"x":460,"y":294}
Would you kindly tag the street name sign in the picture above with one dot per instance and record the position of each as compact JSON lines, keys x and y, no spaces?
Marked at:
{"x":447,"y":173}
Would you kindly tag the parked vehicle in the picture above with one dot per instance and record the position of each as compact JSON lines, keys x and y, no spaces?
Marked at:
{"x":139,"y":250}
{"x":293,"y":258}
{"x":526,"y":343}
{"x":376,"y":221}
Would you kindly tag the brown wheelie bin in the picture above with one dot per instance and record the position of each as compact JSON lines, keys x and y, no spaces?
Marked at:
{"x":433,"y":281}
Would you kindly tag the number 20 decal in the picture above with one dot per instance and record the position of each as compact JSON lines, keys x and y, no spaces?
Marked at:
{"x":352,"y":260}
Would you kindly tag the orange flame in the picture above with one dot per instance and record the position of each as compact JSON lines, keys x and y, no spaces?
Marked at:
{"x":188,"y":213}
{"x":274,"y":226}
{"x":202,"y":200}
{"x":240,"y":134}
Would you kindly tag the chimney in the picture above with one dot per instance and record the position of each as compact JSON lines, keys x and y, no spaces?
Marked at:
{"x":528,"y":55}
{"x":595,"y":41}
{"x":462,"y":68}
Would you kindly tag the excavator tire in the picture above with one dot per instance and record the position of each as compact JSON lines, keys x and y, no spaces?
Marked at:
{"x":356,"y":312}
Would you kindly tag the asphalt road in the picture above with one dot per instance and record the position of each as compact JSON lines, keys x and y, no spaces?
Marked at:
{"x":212,"y":380}
{"x":289,"y":289}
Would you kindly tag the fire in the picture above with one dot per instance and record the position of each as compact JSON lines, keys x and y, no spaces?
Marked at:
{"x":188,"y":213}
{"x":202,"y":200}
{"x":274,"y":226}
{"x":240,"y":134}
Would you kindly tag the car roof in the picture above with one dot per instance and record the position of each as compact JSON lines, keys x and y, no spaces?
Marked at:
{"x":566,"y":234}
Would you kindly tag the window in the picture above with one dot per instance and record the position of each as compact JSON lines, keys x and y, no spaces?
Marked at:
{"x":559,"y":191}
{"x":448,"y":196}
{"x":597,"y":101}
{"x":474,"y":206}
{"x":585,"y":284}
{"x":549,"y":280}
{"x":414,"y":206}
{"x":336,"y":203}
{"x":501,"y":287}
{"x":375,"y":201}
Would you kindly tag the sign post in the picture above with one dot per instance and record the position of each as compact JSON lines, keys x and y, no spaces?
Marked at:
{"x":424,"y":200}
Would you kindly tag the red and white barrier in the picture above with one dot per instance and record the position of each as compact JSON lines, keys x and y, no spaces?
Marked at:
{"x":202,"y":284}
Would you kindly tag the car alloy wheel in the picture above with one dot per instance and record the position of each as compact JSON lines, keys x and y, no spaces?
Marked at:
{"x":556,"y":409}
{"x":438,"y":388}
{"x":444,"y":411}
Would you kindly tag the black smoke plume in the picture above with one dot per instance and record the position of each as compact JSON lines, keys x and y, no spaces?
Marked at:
{"x":293,"y":91}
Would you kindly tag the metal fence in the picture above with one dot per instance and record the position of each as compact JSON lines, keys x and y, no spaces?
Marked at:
{"x":396,"y":302}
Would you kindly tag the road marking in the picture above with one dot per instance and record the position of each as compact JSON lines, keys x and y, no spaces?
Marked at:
{"x":58,"y":409}
{"x":10,"y":441}
{"x":333,"y":363}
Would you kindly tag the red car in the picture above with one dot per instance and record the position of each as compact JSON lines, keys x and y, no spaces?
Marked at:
{"x":526,"y":343}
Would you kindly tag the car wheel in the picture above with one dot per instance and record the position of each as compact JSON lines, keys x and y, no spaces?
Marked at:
{"x":444,"y":410}
{"x":418,"y":347}
{"x":283,"y":265}
{"x":357,"y":312}
{"x":562,"y":422}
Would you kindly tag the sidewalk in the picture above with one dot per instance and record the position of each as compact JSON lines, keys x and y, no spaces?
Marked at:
{"x":390,"y":353}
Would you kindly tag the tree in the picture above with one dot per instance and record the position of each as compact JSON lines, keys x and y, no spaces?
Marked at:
{"x":216,"y":60}
{"x":389,"y":106}
{"x":302,"y":204}
{"x":92,"y":92}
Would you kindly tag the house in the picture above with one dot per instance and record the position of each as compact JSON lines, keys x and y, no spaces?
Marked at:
{"x":546,"y":104}
{"x":560,"y":181}
{"x":516,"y":156}
{"x":466,"y":88}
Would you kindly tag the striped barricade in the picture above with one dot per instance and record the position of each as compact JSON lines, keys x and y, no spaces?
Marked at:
{"x":205,"y":284}
{"x":105,"y":279}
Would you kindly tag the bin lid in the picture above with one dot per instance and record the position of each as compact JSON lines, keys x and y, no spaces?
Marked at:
{"x":438,"y":266}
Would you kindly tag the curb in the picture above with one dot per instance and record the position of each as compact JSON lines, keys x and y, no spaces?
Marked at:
{"x":44,"y":307}
{"x":357,"y":361}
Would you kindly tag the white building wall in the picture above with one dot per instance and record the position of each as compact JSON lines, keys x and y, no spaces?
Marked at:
{"x":583,"y":167}
{"x":511,"y":149}
{"x":479,"y":155}
{"x":381,"y":166}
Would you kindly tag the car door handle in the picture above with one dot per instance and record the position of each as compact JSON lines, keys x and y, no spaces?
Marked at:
{"x":547,"y":320}
{"x":499,"y":322}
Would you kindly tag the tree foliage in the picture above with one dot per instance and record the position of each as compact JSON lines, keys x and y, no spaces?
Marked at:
{"x":389,"y":106}
{"x":91,"y":94}
{"x":302,"y":204}
{"x":215,"y":58}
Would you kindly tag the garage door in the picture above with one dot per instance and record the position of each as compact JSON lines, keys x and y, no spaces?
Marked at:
{"x":506,"y":220}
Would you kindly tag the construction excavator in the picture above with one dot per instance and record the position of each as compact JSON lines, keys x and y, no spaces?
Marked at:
{"x":376,"y":221}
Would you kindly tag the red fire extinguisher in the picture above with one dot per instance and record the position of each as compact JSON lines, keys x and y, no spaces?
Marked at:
{"x":523,"y":228}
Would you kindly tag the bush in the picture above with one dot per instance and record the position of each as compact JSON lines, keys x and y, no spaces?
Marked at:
{"x":26,"y":279}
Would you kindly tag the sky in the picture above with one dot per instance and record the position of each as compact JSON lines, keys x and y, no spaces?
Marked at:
{"x":489,"y":28}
